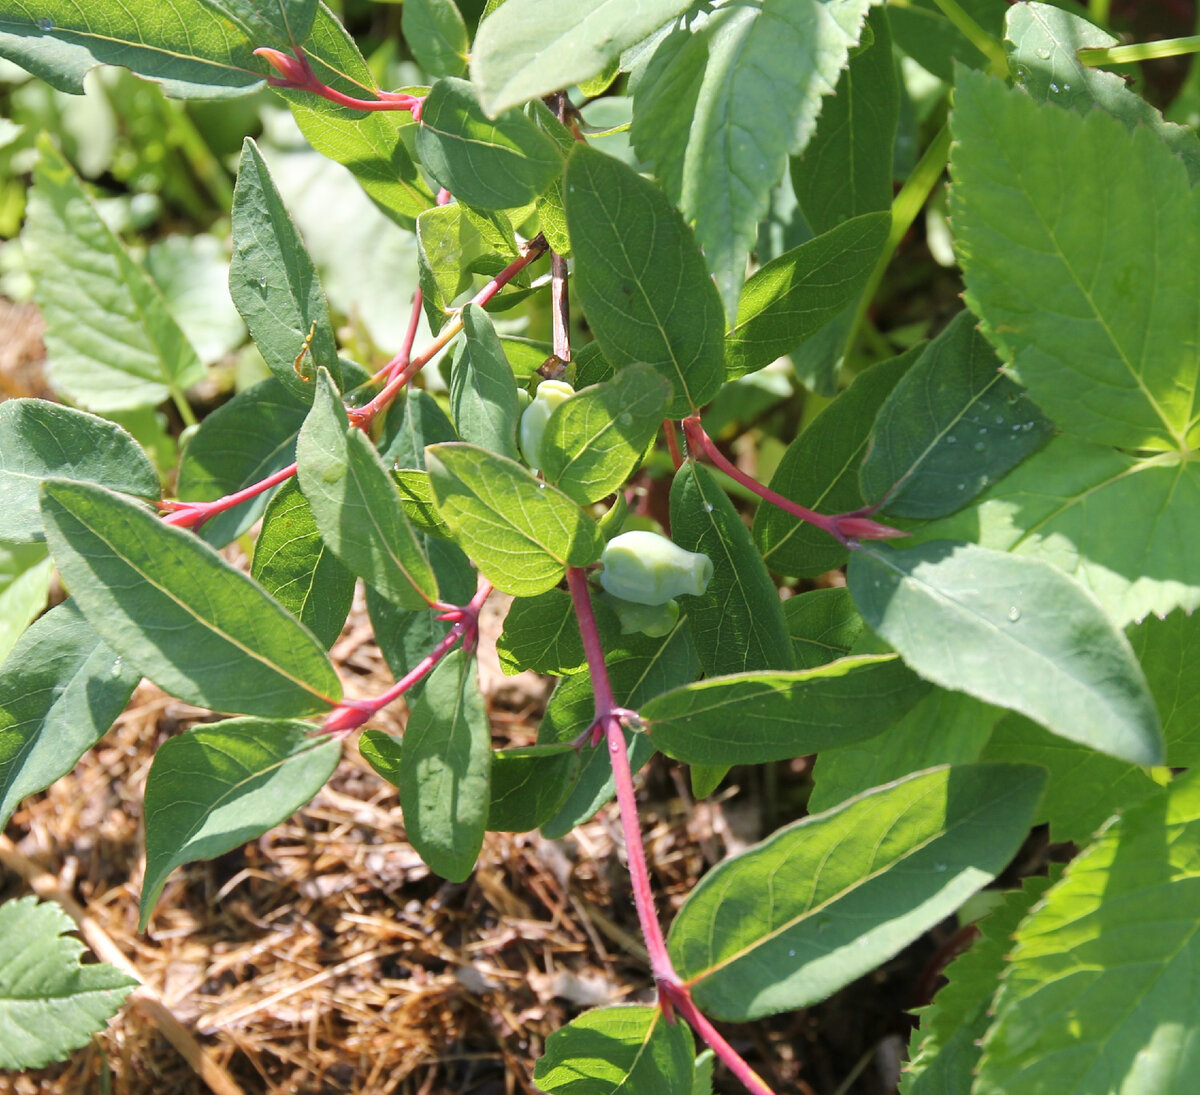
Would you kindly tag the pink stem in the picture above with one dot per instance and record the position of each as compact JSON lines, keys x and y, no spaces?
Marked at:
{"x":672,"y":443}
{"x":194,"y":514}
{"x":400,"y":362}
{"x":296,"y":72}
{"x":682,"y":1001}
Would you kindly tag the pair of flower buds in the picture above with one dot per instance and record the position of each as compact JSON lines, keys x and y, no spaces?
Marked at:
{"x":643,"y":571}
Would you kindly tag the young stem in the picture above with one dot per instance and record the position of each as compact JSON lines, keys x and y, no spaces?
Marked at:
{"x":194,"y":514}
{"x":400,"y":362}
{"x":1140,"y":51}
{"x":296,"y":73}
{"x":681,"y":1000}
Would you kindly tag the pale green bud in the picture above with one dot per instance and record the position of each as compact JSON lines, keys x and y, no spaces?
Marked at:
{"x":650,"y":570}
{"x":549,"y":395}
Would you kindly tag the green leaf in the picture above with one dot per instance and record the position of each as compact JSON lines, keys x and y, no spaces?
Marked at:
{"x":753,"y":718}
{"x":511,"y":63}
{"x":522,"y":534}
{"x":239,"y":444}
{"x":976,"y":620}
{"x":25,"y":573}
{"x":960,"y":725}
{"x":489,"y":164}
{"x":850,"y":888}
{"x":356,"y":505}
{"x":1167,"y":650}
{"x":275,"y":285}
{"x":444,"y":769}
{"x":41,"y":440}
{"x":382,"y":752}
{"x":952,"y":425}
{"x":529,"y":785}
{"x":946,"y":1047}
{"x":62,"y":688}
{"x":50,"y":1004}
{"x":1084,"y":788}
{"x":1097,"y":994}
{"x":823,"y":625}
{"x":1097,"y":313}
{"x":737,"y":622}
{"x":541,"y":633}
{"x":483,"y":393}
{"x":641,"y":278}
{"x":280,"y":23}
{"x":414,"y":421}
{"x":722,"y":105}
{"x":702,"y":1081}
{"x":292,"y":563}
{"x":111,"y":343}
{"x":846,"y":169}
{"x":820,"y":471}
{"x":621,"y":1049}
{"x":595,"y":440}
{"x":1123,"y":526}
{"x":177,"y":612}
{"x":1043,"y":43}
{"x":435,"y":32}
{"x":218,"y":785}
{"x":188,"y":50}
{"x":455,"y":246}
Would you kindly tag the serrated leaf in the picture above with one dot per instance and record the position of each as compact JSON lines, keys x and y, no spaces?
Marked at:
{"x":753,"y":718}
{"x":1097,"y":313}
{"x":239,"y":444}
{"x":574,"y":41}
{"x":719,"y":114}
{"x":798,"y":294}
{"x":25,"y":573}
{"x":623,"y":1049}
{"x":976,"y":620}
{"x":444,"y":769}
{"x":356,"y":505}
{"x":522,"y":534}
{"x":60,"y":690}
{"x":218,"y":785}
{"x":820,"y":470}
{"x":595,"y":440}
{"x":641,"y":278}
{"x":850,"y":888}
{"x":737,"y":622}
{"x":483,"y":392}
{"x":823,"y":625}
{"x":488,"y":164}
{"x":292,"y":563}
{"x":50,"y":1004}
{"x":177,"y":612}
{"x":1096,"y":997}
{"x":274,"y":284}
{"x":435,"y":32}
{"x":1167,"y":650}
{"x":952,"y":425}
{"x":111,"y":343}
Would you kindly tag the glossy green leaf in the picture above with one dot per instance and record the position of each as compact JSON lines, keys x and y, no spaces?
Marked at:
{"x":50,"y":1003}
{"x":61,"y":689}
{"x":41,"y":440}
{"x":621,"y":1049}
{"x":725,"y":101}
{"x":274,"y":284}
{"x":753,"y":718}
{"x":850,"y":888}
{"x":483,"y":393}
{"x":512,"y":63}
{"x":218,"y":785}
{"x":25,"y":573}
{"x":846,"y":168}
{"x":239,"y":444}
{"x":382,"y":752}
{"x":595,"y":440}
{"x":820,"y":471}
{"x":1097,"y":996}
{"x":976,"y":620}
{"x":529,"y":785}
{"x":522,"y":534}
{"x":941,"y":728}
{"x":952,"y":425}
{"x":356,"y":506}
{"x":1168,"y":650}
{"x":641,"y":278}
{"x":823,"y":625}
{"x":292,"y":563}
{"x":111,"y":343}
{"x":435,"y":32}
{"x":1098,"y":313}
{"x":489,"y":164}
{"x":416,"y":496}
{"x":188,"y":48}
{"x":444,"y":768}
{"x":1043,"y":42}
{"x":541,"y":633}
{"x":737,"y":623}
{"x":177,"y":612}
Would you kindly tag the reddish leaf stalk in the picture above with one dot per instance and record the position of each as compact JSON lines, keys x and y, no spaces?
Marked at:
{"x":194,"y":514}
{"x":681,"y":999}
{"x":847,"y":528}
{"x":296,"y":73}
{"x":400,"y":362}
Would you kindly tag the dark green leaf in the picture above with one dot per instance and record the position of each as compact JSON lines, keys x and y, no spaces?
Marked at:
{"x":529,"y":785}
{"x":483,"y":393}
{"x":280,"y":23}
{"x":454,"y":246}
{"x":413,"y":421}
{"x":25,"y":573}
{"x":541,"y":633}
{"x":823,"y":625}
{"x":382,"y":752}
{"x":177,"y":612}
{"x":1168,"y":650}
{"x":435,"y":32}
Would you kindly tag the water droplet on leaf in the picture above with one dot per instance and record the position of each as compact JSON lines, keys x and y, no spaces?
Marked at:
{"x":979,"y":446}
{"x":45,"y":23}
{"x":951,"y":439}
{"x":1043,"y":53}
{"x":1014,"y":614}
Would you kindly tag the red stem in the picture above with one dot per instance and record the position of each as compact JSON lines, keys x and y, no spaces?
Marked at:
{"x":400,"y":361}
{"x":681,"y":999}
{"x":296,"y":73}
{"x":194,"y":514}
{"x":672,"y":443}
